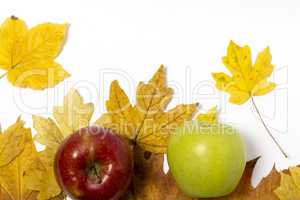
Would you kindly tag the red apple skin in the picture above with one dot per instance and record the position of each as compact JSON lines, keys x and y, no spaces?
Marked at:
{"x":76,"y":170}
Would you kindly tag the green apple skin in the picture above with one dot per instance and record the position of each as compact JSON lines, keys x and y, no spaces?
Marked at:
{"x":206,"y":160}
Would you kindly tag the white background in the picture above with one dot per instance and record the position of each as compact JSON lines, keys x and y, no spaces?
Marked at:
{"x":128,"y":40}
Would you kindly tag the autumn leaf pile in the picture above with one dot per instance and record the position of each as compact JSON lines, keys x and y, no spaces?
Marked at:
{"x":27,"y":57}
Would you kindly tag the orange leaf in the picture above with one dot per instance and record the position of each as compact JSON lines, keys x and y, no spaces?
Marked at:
{"x":150,"y":182}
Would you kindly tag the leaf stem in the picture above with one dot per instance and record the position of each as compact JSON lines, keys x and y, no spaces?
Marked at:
{"x":3,"y":75}
{"x":267,"y":129}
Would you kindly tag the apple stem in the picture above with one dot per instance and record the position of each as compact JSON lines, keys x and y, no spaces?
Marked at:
{"x":96,"y":172}
{"x":64,"y":197}
{"x":266,"y":127}
{"x":3,"y":75}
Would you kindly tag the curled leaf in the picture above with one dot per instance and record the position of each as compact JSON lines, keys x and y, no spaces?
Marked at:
{"x":209,"y":117}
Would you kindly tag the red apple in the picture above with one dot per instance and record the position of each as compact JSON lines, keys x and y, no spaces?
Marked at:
{"x":94,"y":164}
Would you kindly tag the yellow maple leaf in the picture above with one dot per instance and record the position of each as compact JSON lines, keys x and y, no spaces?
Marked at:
{"x":12,"y":142}
{"x":28,"y":54}
{"x":120,"y":115}
{"x":41,"y":178}
{"x":289,"y":188}
{"x":73,"y":115}
{"x":48,"y":133}
{"x":247,"y":79}
{"x":146,"y":124}
{"x":209,"y":117}
{"x":12,"y":175}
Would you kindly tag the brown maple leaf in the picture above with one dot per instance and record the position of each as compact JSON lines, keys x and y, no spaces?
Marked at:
{"x":264,"y":191}
{"x":289,"y":188}
{"x":151,"y":183}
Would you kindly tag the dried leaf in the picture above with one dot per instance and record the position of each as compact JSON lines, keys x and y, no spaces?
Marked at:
{"x":41,"y":178}
{"x":247,"y":79}
{"x":121,"y":113}
{"x":48,"y":132}
{"x":73,"y":115}
{"x":264,"y":191}
{"x":289,"y":188}
{"x":150,"y":182}
{"x":209,"y":117}
{"x":60,"y":197}
{"x":28,"y":54}
{"x":12,"y":142}
{"x":146,"y":123}
{"x":12,"y":175}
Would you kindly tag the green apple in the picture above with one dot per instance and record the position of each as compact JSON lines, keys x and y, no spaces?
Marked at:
{"x":206,"y":160}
